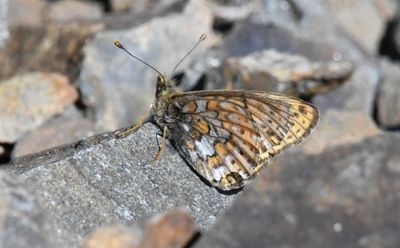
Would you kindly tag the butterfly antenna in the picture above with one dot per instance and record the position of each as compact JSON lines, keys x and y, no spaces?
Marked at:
{"x":120,"y":46}
{"x":202,"y":37}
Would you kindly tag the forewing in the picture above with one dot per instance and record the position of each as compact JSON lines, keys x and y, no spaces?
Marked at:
{"x":227,"y":136}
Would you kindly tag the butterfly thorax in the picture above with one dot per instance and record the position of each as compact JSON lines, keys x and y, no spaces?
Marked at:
{"x":165,"y":89}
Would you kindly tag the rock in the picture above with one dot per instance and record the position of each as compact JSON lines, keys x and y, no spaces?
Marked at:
{"x":228,"y":12}
{"x":388,"y":96}
{"x":346,"y":196}
{"x":31,"y":49}
{"x":107,"y":180}
{"x":121,"y":5}
{"x":168,"y":230}
{"x":65,"y":11}
{"x":120,"y":89}
{"x":28,"y":101}
{"x":26,"y":13}
{"x":365,"y":20}
{"x":115,"y":236}
{"x":58,"y":131}
{"x":153,"y":7}
{"x":337,"y":128}
{"x":279,"y":72}
{"x":249,"y":36}
{"x":4,"y":33}
{"x":24,"y":222}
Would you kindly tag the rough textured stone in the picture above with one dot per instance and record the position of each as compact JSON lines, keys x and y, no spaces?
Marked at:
{"x":47,"y":49}
{"x":113,"y":236}
{"x":23,"y":222}
{"x":73,"y":10}
{"x":102,"y":180}
{"x":121,"y":89}
{"x":4,"y":33}
{"x":309,"y":29}
{"x":27,"y":101}
{"x":70,"y":126}
{"x":27,"y":13}
{"x":347,"y":197}
{"x":338,"y":128}
{"x":172,"y":229}
{"x":365,"y":20}
{"x":388,"y":96}
{"x":279,"y":72}
{"x":121,"y":5}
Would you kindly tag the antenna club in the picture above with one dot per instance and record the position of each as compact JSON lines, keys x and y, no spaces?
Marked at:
{"x":203,"y":37}
{"x":118,"y":44}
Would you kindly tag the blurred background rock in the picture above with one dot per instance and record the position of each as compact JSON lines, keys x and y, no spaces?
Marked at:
{"x":62,"y":80}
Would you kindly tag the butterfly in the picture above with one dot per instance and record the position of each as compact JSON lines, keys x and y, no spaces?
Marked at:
{"x":228,"y":136}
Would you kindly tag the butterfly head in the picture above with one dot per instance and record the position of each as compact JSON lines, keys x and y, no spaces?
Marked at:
{"x":165,"y":86}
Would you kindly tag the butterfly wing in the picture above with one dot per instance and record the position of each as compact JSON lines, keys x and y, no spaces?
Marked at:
{"x":228,"y":136}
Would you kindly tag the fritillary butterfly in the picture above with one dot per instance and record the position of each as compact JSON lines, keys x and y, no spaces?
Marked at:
{"x":227,"y":136}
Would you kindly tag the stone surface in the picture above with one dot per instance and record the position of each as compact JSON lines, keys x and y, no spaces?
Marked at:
{"x":60,"y":130}
{"x":121,"y":5}
{"x":4,"y":32}
{"x":27,"y":101}
{"x":345,"y":197}
{"x":113,"y":236}
{"x":309,"y":29}
{"x":48,"y":49}
{"x":73,"y":10}
{"x":106,"y":180}
{"x":337,"y":128}
{"x":26,"y":13}
{"x":172,"y":229}
{"x":120,"y":89}
{"x":365,"y":20}
{"x":388,"y":96}
{"x":279,"y":72}
{"x":24,"y":223}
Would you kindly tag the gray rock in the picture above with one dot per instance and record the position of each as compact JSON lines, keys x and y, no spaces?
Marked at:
{"x":103,"y":179}
{"x":364,"y":20}
{"x":27,"y":13}
{"x":120,"y":89}
{"x":65,"y":11}
{"x":347,"y":197}
{"x":24,"y":222}
{"x":278,"y":72}
{"x":388,"y":96}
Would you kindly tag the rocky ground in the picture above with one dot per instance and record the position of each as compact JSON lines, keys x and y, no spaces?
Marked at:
{"x":67,"y":180}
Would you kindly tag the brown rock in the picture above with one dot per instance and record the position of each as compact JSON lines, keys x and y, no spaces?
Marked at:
{"x":58,"y":131}
{"x":27,"y":101}
{"x":73,"y":10}
{"x":121,"y":5}
{"x":172,"y":229}
{"x":115,"y":236}
{"x":27,"y":13}
{"x":388,"y":97}
{"x":49,"y":49}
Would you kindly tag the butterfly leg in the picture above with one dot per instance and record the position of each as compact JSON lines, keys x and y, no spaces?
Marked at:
{"x":128,"y":131}
{"x":162,"y":146}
